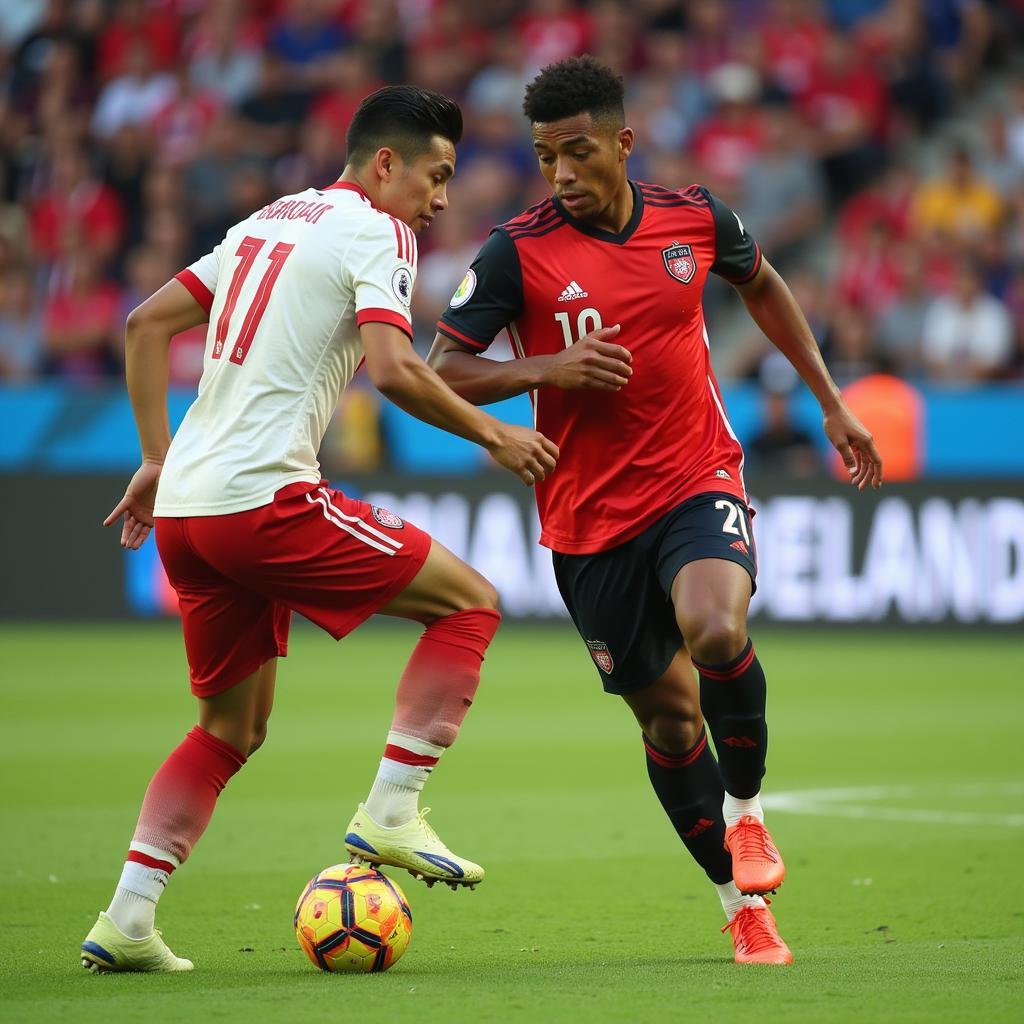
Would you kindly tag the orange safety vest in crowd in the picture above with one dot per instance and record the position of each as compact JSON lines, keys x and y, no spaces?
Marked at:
{"x":893,"y":411}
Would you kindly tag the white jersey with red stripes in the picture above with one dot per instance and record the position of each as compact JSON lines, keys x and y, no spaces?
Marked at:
{"x":286,"y":292}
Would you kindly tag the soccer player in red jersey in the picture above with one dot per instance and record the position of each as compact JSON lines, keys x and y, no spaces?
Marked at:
{"x":600,"y":287}
{"x":296,"y":296}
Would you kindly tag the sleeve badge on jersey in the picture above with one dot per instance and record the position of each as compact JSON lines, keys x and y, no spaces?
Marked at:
{"x":386,"y":518}
{"x":601,"y":655}
{"x":679,"y":262}
{"x":466,"y":288}
{"x":401,"y":285}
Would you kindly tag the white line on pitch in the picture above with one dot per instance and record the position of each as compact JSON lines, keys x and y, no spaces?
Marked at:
{"x":833,"y":803}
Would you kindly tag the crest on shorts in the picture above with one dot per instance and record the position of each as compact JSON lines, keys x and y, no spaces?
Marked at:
{"x":679,"y":262}
{"x":386,"y":518}
{"x":601,"y":655}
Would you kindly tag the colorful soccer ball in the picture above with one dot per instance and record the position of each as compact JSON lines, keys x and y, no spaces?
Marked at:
{"x":353,"y":918}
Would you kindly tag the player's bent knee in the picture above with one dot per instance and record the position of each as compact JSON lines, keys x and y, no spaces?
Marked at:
{"x":717,"y":640}
{"x":675,"y":733}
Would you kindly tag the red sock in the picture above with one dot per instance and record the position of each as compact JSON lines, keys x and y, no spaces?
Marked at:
{"x":182,"y":794}
{"x":442,"y":676}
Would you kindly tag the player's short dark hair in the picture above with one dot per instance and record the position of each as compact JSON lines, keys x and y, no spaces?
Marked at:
{"x":576,"y":85}
{"x":405,"y":119}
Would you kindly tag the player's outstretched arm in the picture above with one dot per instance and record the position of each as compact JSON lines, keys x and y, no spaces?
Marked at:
{"x":593,"y":362}
{"x":401,"y":376}
{"x":147,"y":339}
{"x":776,"y":312}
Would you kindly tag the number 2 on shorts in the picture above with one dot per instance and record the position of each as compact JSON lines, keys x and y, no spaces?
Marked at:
{"x":733,"y":516}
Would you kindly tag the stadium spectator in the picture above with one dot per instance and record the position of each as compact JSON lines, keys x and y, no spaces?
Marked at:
{"x":81,"y":322}
{"x":782,"y":191}
{"x":75,"y":202}
{"x":135,"y":95}
{"x":225,"y":52}
{"x":274,"y":110}
{"x":552,"y":29}
{"x":791,"y":40}
{"x":900,"y":326}
{"x":180,"y":123}
{"x":959,"y":206}
{"x":732,"y":136}
{"x":998,"y":163}
{"x":137,"y":25}
{"x":847,"y":106}
{"x":304,"y":37}
{"x":780,"y":447}
{"x":21,"y":327}
{"x":967,"y":334}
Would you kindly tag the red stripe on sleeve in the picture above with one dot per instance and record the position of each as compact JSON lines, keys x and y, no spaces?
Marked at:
{"x":459,"y":336}
{"x":412,"y":245}
{"x":196,"y":288}
{"x":384,"y":316}
{"x":399,"y":239}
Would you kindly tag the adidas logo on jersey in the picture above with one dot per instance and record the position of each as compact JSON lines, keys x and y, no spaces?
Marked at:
{"x":572,"y":291}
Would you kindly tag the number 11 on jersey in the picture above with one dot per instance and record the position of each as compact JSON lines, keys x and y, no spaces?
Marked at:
{"x":248,"y":249}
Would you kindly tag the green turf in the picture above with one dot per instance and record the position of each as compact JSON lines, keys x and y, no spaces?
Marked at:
{"x":590,"y":910}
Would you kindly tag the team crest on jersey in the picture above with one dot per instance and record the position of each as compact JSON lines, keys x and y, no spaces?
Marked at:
{"x":386,"y":518}
{"x":466,"y":288}
{"x":401,"y":285}
{"x":601,"y":655}
{"x":679,"y":262}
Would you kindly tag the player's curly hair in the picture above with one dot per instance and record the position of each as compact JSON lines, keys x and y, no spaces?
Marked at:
{"x":576,"y":85}
{"x":404,"y":118}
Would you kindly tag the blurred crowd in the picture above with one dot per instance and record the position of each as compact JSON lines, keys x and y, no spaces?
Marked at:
{"x":134,"y":132}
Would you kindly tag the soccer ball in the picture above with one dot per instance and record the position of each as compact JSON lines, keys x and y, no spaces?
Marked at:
{"x":353,"y":918}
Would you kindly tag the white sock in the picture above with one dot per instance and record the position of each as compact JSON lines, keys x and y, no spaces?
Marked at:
{"x":733,"y":901}
{"x":133,"y":908}
{"x":394,"y":796}
{"x":733,"y":808}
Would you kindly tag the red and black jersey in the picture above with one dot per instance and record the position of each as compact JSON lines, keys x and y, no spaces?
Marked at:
{"x":627,"y":457}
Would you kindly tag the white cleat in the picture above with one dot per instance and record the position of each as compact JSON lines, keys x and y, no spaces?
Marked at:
{"x":414,"y":846}
{"x":107,"y":948}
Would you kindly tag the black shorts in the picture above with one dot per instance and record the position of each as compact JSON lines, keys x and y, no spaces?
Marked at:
{"x":620,"y":599}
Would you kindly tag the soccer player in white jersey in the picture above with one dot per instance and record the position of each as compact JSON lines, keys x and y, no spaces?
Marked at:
{"x":296,"y":296}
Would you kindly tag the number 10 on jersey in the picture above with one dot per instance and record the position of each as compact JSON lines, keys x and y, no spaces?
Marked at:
{"x":588,"y":320}
{"x":248,"y":249}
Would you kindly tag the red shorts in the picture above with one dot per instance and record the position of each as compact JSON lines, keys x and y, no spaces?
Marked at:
{"x":238,"y":577}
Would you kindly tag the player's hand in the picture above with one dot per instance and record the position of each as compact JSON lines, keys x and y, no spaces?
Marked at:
{"x":531,"y":456}
{"x":137,"y":506}
{"x":856,"y":446}
{"x":593,"y":362}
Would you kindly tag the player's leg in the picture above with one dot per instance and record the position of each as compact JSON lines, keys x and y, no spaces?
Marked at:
{"x":459,"y":609}
{"x":711,"y":596}
{"x":234,"y":681}
{"x":707,"y":567}
{"x":686,"y":778}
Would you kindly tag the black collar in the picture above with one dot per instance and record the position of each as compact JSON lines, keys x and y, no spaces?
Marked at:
{"x":615,"y":237}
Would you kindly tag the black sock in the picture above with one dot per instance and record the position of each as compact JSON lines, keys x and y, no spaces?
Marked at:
{"x":732,"y":698}
{"x":690,"y":789}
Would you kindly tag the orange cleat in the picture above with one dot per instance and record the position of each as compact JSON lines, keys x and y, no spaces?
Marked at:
{"x":756,"y":939}
{"x":757,"y":867}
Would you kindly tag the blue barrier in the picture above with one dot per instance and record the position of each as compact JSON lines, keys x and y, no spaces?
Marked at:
{"x":968,"y":432}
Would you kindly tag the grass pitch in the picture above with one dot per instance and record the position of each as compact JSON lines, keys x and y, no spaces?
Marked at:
{"x":895,"y":772}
